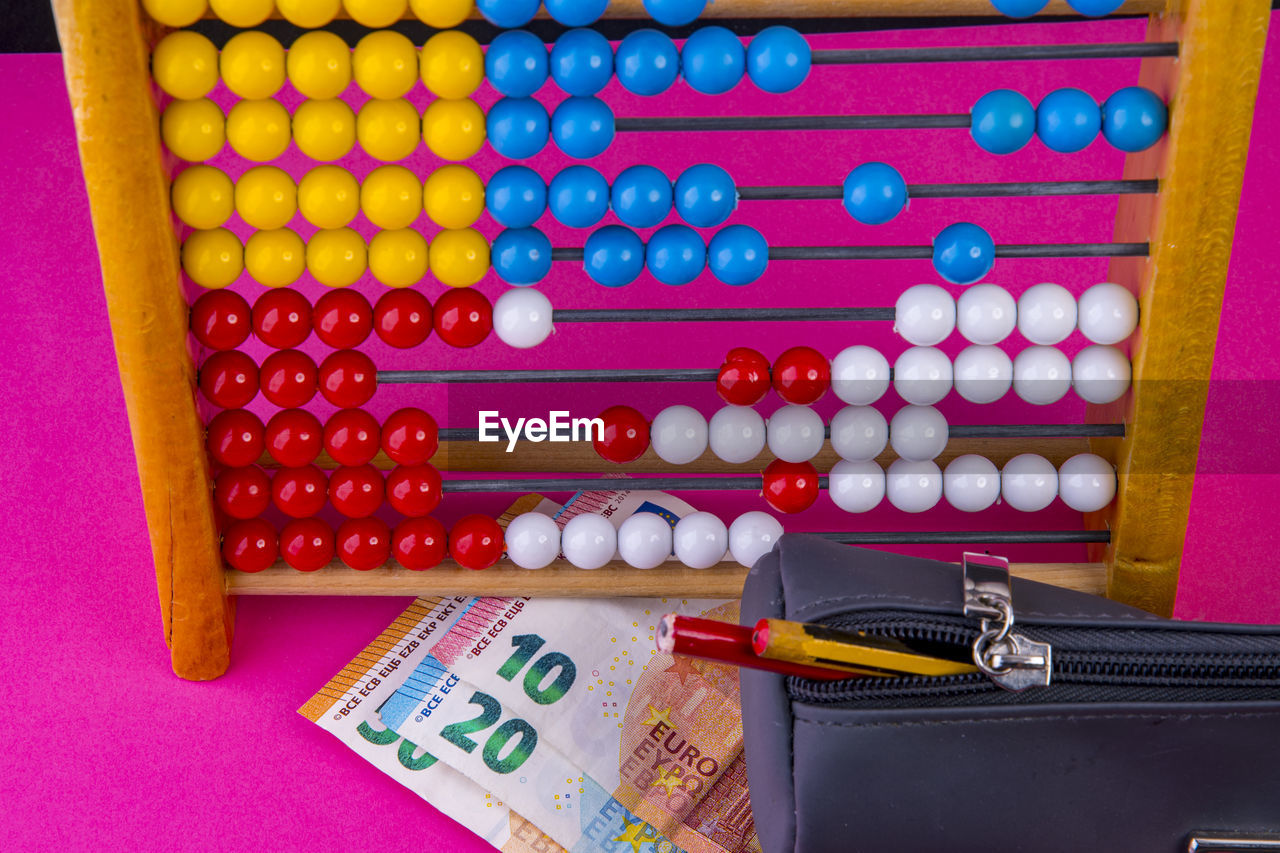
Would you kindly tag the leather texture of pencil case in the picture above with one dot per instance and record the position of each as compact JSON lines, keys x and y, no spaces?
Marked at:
{"x":1129,"y":733}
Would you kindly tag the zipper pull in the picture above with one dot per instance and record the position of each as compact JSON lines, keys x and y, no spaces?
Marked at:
{"x":1011,"y":660}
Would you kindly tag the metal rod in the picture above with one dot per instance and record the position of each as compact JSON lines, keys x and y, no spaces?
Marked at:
{"x":668,"y":124}
{"x":416,"y":377}
{"x":965,"y":537}
{"x":995,"y":53}
{"x":976,"y":190}
{"x":674,"y":315}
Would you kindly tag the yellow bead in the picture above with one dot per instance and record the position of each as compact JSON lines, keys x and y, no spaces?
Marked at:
{"x":453,"y":130}
{"x":175,"y":13}
{"x":213,"y":258}
{"x":325,"y":130}
{"x":266,"y":197}
{"x":242,"y":13}
{"x":453,"y":197}
{"x":376,"y":14}
{"x":185,"y":64}
{"x":203,"y":197}
{"x":459,"y":257}
{"x":385,"y":64}
{"x":441,"y":14}
{"x":275,"y":258}
{"x":193,"y":130}
{"x":398,"y":258}
{"x":388,"y":130}
{"x":452,"y":64}
{"x":337,"y":257}
{"x":258,"y":130}
{"x":319,"y":65}
{"x":329,"y":196}
{"x":309,"y":13}
{"x":391,"y":197}
{"x":252,"y":65}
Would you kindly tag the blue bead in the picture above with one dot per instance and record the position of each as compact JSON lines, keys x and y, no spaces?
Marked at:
{"x":1002,"y":121}
{"x":874,"y":193}
{"x":705,"y":195}
{"x":516,"y":63}
{"x":521,"y":256}
{"x":1068,"y":120}
{"x":963,"y":253}
{"x":614,"y":256}
{"x":676,"y":254}
{"x":738,"y":254}
{"x":582,"y":127}
{"x":647,"y":62}
{"x":508,"y":14}
{"x":1019,"y":8}
{"x":778,"y":59}
{"x":582,"y":62}
{"x":517,"y":127}
{"x":576,"y":13}
{"x":1095,"y":8}
{"x":578,"y":197}
{"x":641,"y":196}
{"x":515,"y":196}
{"x":675,"y":13}
{"x":713,"y":60}
{"x":1134,"y":119}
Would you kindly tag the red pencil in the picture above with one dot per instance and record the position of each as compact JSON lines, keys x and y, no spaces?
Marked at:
{"x":728,"y":643}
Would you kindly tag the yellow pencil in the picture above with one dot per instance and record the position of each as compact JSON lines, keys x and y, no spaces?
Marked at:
{"x":856,"y":652}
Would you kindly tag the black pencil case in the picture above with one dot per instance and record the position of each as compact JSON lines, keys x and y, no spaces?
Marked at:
{"x":1137,"y":733}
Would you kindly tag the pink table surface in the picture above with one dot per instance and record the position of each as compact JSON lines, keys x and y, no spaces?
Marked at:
{"x":104,"y":748}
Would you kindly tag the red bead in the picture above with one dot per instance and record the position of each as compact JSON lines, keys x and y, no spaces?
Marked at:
{"x":249,"y":546}
{"x":220,"y":319}
{"x":419,"y":543}
{"x":626,"y":435}
{"x":410,"y":436}
{"x":414,"y":490}
{"x":282,"y":318}
{"x":475,"y":542}
{"x":229,"y":380}
{"x":242,"y":492}
{"x":235,"y":438}
{"x":463,"y":317}
{"x":402,"y":318}
{"x":342,"y":318}
{"x":289,"y":378}
{"x":356,"y":491}
{"x":801,"y":375}
{"x":743,"y":379}
{"x":351,"y":437}
{"x":307,"y":544}
{"x":364,"y":543}
{"x":348,"y":378}
{"x":790,"y":486}
{"x":299,"y":492}
{"x":293,"y":437}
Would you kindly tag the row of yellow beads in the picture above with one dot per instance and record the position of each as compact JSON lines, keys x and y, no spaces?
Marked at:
{"x":309,"y":13}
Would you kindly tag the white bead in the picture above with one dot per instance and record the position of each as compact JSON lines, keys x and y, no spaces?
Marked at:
{"x":678,"y":435}
{"x":1046,"y":314}
{"x":856,"y":486}
{"x":1108,"y":313}
{"x":922,"y":375}
{"x":925,"y":315}
{"x":752,"y":535}
{"x":532,"y":540}
{"x":971,"y":483}
{"x":644,"y":540}
{"x":1028,"y":482}
{"x":983,"y":374}
{"x":1041,"y":375}
{"x":522,"y":317}
{"x":986,"y":314}
{"x":1101,"y":374}
{"x":1087,"y":482}
{"x":918,"y":433}
{"x":858,"y":433}
{"x":736,"y":434}
{"x":913,"y":486}
{"x":796,"y":433}
{"x":701,"y":540}
{"x":859,"y":375}
{"x":589,"y":541}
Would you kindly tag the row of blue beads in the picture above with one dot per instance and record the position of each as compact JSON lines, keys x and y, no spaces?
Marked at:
{"x":579,"y":13}
{"x":1068,"y":120}
{"x":1027,"y":8}
{"x":518,"y":128}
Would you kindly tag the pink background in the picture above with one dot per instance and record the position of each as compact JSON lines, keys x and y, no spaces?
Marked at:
{"x":104,"y":746}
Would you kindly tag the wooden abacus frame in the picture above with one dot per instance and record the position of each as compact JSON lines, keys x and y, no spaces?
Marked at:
{"x":1189,"y":224}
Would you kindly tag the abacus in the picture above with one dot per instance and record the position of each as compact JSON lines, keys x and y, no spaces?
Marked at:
{"x":270,"y":221}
